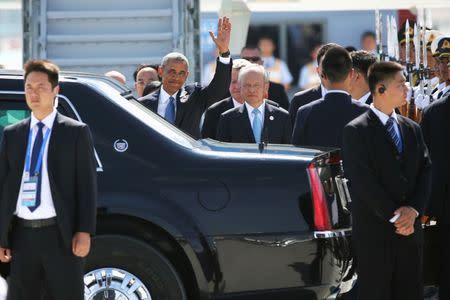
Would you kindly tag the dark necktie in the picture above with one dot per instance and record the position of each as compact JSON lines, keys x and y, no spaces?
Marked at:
{"x":393,"y":134}
{"x":34,"y":157}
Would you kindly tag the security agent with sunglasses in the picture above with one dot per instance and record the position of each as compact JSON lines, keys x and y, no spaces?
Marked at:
{"x":387,"y":162}
{"x":48,"y":192}
{"x":182,"y":105}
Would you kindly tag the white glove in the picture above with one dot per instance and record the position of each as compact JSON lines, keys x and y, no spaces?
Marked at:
{"x":418,"y":100}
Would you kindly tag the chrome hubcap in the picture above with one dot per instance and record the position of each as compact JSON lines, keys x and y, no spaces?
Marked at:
{"x":114,"y":284}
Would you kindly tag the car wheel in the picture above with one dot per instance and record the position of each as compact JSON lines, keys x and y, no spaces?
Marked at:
{"x":123,"y":268}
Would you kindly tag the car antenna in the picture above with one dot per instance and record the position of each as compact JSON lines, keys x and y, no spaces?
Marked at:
{"x":265,"y":140}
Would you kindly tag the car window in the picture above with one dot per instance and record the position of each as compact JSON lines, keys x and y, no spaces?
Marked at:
{"x":11,"y":112}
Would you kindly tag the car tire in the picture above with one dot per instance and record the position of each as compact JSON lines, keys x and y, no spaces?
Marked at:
{"x":123,"y":257}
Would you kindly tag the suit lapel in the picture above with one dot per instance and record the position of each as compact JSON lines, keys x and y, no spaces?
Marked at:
{"x":405,"y":136}
{"x":268,"y":122}
{"x":318,"y":91}
{"x":56,"y":140}
{"x":245,"y":123}
{"x":182,"y":94}
{"x":23,"y":134}
{"x":153,"y":100}
{"x":230,"y":104}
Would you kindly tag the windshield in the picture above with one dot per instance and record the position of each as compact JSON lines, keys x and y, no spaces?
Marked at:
{"x":143,"y":114}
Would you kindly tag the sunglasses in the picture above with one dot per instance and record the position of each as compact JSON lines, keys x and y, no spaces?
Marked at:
{"x":253,"y":58}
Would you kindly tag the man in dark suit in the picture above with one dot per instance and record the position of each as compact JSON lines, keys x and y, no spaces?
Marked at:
{"x":184,"y":106}
{"x":212,"y":114}
{"x":255,"y":121}
{"x":360,"y":91}
{"x":320,"y":123}
{"x":304,"y":97}
{"x":436,"y":132}
{"x":47,"y":194}
{"x":276,"y":91}
{"x":387,"y":163}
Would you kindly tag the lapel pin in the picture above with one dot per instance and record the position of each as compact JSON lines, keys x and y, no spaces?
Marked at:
{"x":271,"y":118}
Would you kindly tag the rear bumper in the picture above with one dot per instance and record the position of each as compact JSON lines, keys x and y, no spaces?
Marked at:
{"x":329,"y":234}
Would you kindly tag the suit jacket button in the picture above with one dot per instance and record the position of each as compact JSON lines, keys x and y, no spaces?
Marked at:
{"x":397,"y":157}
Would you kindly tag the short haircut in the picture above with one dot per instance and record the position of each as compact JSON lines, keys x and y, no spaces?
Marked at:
{"x":141,"y":66}
{"x":382,"y":71}
{"x":367,"y":34}
{"x":151,"y":87}
{"x":324,"y":50}
{"x":44,"y":66}
{"x":176,"y":56}
{"x":254,"y":68}
{"x":240,"y":63}
{"x":336,"y":64}
{"x":251,"y":47}
{"x":362,"y":60}
{"x":350,"y":49}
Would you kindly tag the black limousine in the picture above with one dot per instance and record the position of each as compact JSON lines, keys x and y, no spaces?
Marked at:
{"x":180,"y":218}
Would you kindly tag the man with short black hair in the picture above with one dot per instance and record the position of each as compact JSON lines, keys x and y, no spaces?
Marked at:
{"x":387,"y":162}
{"x":320,"y":123}
{"x":48,"y":194}
{"x":360,"y":91}
{"x":312,"y":94}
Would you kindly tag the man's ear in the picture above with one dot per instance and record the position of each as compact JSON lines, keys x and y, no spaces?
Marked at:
{"x":160,"y":71}
{"x":56,"y":90}
{"x":351,"y":74}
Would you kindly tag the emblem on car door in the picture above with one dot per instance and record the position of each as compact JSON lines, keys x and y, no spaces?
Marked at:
{"x":121,"y":145}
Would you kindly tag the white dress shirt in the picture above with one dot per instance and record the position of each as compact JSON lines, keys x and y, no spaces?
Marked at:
{"x":164,"y":101}
{"x":236,"y":104}
{"x":364,"y":98}
{"x":278,"y":70}
{"x":251,"y":116}
{"x":323,"y":90}
{"x":46,"y":209}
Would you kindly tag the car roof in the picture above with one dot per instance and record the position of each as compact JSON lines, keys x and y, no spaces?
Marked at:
{"x":71,"y":75}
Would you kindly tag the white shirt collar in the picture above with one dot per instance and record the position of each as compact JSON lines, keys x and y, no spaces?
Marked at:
{"x":260,"y":108}
{"x":364,"y":98}
{"x":235,"y":103}
{"x":48,"y":120}
{"x":164,"y":96}
{"x":323,"y":90}
{"x":337,"y":91}
{"x":382,"y":116}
